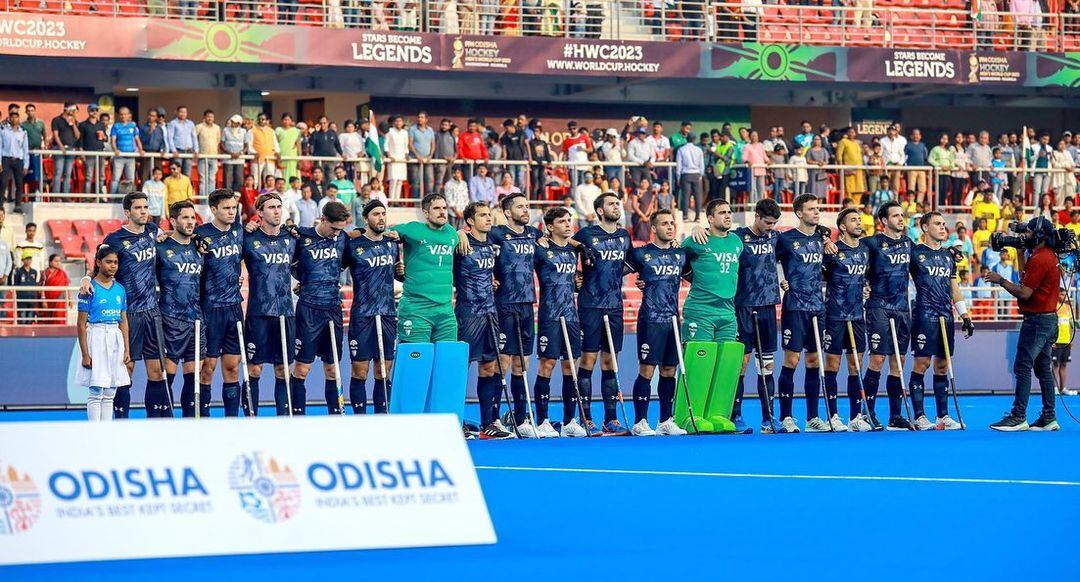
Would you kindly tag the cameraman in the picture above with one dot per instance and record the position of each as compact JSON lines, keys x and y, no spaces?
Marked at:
{"x":1037,"y":297}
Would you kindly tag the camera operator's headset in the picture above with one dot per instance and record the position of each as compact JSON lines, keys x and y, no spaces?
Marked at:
{"x":1042,"y":230}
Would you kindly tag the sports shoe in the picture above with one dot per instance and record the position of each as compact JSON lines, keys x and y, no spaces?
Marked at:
{"x":493,"y":432}
{"x":816,"y":425}
{"x":947,"y":423}
{"x":860,"y":424}
{"x":875,"y":423}
{"x":1065,"y":392}
{"x":573,"y":429}
{"x":923,"y":423}
{"x":613,"y":428}
{"x":469,"y":436}
{"x":669,"y":428}
{"x":1044,"y":424}
{"x":642,"y":428}
{"x":741,"y":427}
{"x":592,"y":430}
{"x":898,"y":423}
{"x":545,"y":431}
{"x":1010,"y":423}
{"x":499,"y":425}
{"x":768,"y":427}
{"x":788,"y":426}
{"x":527,"y":430}
{"x":838,"y":424}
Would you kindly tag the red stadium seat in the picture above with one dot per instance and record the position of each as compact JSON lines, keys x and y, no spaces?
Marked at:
{"x":58,"y":227}
{"x":779,"y":33}
{"x":71,"y":245}
{"x":85,"y":228}
{"x":109,"y":225}
{"x":93,"y":242}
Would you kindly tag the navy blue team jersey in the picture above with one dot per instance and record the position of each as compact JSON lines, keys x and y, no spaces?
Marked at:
{"x":221,"y":264}
{"x":514,"y":263}
{"x":933,"y":272}
{"x":473,"y":277}
{"x":179,"y":271}
{"x":845,"y":279}
{"x":801,"y":256}
{"x":661,"y":270}
{"x":556,"y":268}
{"x":137,"y":266}
{"x":269,"y":261}
{"x":603,"y":274}
{"x":888,"y":273}
{"x":318,"y":267}
{"x":759,"y":285}
{"x":371,"y":266}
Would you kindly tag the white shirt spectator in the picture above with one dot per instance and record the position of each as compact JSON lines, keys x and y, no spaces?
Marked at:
{"x":352,"y":144}
{"x":289,"y":206}
{"x":639,"y":151}
{"x":309,"y":209}
{"x":661,"y":146}
{"x":584,"y":195}
{"x":892,"y":150}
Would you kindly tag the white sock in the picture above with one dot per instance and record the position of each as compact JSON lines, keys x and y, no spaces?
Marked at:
{"x":109,"y":394}
{"x":93,"y":404}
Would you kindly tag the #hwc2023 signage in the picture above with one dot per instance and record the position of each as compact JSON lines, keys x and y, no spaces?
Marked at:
{"x":235,"y":486}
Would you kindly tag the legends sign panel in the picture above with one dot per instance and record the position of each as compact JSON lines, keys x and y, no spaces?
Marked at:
{"x":903,"y":66}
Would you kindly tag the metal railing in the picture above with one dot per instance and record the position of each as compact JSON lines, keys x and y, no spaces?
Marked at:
{"x":938,"y":24}
{"x":57,"y":306}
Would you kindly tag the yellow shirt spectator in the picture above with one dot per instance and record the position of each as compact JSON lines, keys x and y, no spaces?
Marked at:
{"x":1064,"y":314}
{"x":867,"y":221}
{"x":980,"y":239}
{"x":264,"y":143}
{"x":987,"y":209}
{"x":177,"y":188}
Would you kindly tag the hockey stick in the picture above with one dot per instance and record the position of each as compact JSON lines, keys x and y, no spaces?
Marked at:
{"x":285,"y":361}
{"x":573,"y":370}
{"x":382,"y":362}
{"x":502,"y":375}
{"x":525,"y":376}
{"x":952,"y":378}
{"x":244,"y":368}
{"x":682,"y":369}
{"x":855,"y":357}
{"x":198,"y":383}
{"x":900,"y":365}
{"x":337,"y":368}
{"x":615,"y":368}
{"x":160,"y":333}
{"x":821,"y":372}
{"x":761,"y":372}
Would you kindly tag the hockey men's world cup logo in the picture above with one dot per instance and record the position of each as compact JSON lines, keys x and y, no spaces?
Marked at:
{"x":20,"y":502}
{"x":692,"y":328}
{"x":644,"y":351}
{"x":502,"y":341}
{"x":875,"y":340}
{"x":250,"y":350}
{"x":826,"y":340}
{"x":406,"y":326}
{"x":921,"y":340}
{"x":267,"y":490}
{"x":543,"y":342}
{"x":787,"y":336}
{"x":353,"y":347}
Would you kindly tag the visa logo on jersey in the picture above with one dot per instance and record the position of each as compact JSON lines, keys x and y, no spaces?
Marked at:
{"x":899,"y":259}
{"x":856,"y":269}
{"x":144,"y":255}
{"x":565,"y":268}
{"x":189,"y":268}
{"x":616,"y":255}
{"x":441,"y":250}
{"x":277,"y":258}
{"x":226,"y":251}
{"x":938,"y":271}
{"x":811,"y":258}
{"x":486,"y":263}
{"x":380,"y":261}
{"x":522,"y":249}
{"x":759,"y":249}
{"x":323,"y":254}
{"x":666,"y":270}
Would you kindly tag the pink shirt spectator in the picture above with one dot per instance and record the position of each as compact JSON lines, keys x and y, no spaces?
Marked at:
{"x":754,"y":154}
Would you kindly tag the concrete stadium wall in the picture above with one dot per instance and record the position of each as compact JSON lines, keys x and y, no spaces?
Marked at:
{"x":41,"y":371}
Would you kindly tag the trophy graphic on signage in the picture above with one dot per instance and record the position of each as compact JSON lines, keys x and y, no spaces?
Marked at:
{"x":459,"y":54}
{"x":973,"y":68}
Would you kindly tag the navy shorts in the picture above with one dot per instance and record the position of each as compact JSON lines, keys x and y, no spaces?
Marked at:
{"x":656,"y":343}
{"x":549,"y":339}
{"x":798,"y":329}
{"x":263,"y":337}
{"x":766,"y":323}
{"x":142,"y":334}
{"x":593,"y":337}
{"x":1060,"y":353}
{"x":180,"y":339}
{"x":475,"y":330}
{"x":877,"y":328}
{"x":313,"y":333}
{"x":219,"y":328}
{"x":516,"y":318}
{"x":363,"y":341}
{"x":835,"y":339}
{"x":926,"y":337}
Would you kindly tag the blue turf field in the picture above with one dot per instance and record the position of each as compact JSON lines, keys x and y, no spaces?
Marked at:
{"x":976,"y":505}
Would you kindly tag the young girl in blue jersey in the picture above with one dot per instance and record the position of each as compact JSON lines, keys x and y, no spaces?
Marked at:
{"x":103,"y":337}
